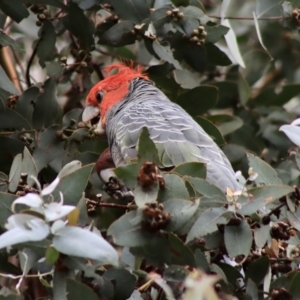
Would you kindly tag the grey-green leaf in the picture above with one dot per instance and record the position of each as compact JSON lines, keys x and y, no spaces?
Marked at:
{"x":207,"y":222}
{"x":238,"y":239}
{"x":266,"y":174}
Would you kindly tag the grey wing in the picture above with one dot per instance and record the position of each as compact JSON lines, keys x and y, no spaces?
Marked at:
{"x":177,"y":136}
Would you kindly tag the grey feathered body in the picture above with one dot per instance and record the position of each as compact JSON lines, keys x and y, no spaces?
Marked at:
{"x":177,"y":136}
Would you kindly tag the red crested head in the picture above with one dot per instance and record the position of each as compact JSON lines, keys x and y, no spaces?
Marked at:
{"x":113,"y":88}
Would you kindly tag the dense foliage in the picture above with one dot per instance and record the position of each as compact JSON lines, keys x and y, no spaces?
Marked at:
{"x":234,"y":66}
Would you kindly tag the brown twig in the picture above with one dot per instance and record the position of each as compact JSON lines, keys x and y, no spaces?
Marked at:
{"x":275,"y":210}
{"x":33,"y":54}
{"x":248,"y":18}
{"x":98,"y":203}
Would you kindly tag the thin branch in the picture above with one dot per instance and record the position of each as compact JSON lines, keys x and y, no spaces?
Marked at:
{"x":97,"y":69}
{"x":28,"y":80}
{"x":26,"y":276}
{"x":275,"y":210}
{"x":248,"y":18}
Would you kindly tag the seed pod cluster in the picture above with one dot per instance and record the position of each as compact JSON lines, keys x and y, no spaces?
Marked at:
{"x":12,"y":101}
{"x":279,"y":294}
{"x":296,"y":16}
{"x":234,"y":221}
{"x":281,"y":266}
{"x":155,"y":217}
{"x":198,"y":36}
{"x":149,"y":176}
{"x":280,"y":231}
{"x":118,"y":191}
{"x":175,"y":14}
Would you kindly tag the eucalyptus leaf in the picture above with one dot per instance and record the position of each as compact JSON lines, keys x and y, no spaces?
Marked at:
{"x":127,"y":233}
{"x":15,"y":173}
{"x":5,"y":40}
{"x":266,"y":174}
{"x":91,"y":245}
{"x":180,"y":212}
{"x":208,"y":221}
{"x":238,"y":239}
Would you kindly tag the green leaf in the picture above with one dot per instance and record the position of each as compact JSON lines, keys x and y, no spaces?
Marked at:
{"x":5,"y":206}
{"x":226,"y":123}
{"x":268,"y":8}
{"x":77,"y":291}
{"x":174,"y":188}
{"x":175,"y":273}
{"x":3,"y":182}
{"x":266,"y":174}
{"x":159,"y":17}
{"x":92,"y":246}
{"x":16,"y":10}
{"x":46,"y":106}
{"x":206,"y":189}
{"x":272,"y":97}
{"x":196,"y":57}
{"x":128,"y":174}
{"x":85,"y":31}
{"x":73,"y":185}
{"x":25,"y":104}
{"x":228,"y":93}
{"x":207,"y":222}
{"x":238,"y":239}
{"x":49,"y":147}
{"x":251,"y":289}
{"x":211,"y":130}
{"x":193,"y":169}
{"x":198,"y":100}
{"x":215,"y":33}
{"x":244,"y":90}
{"x":233,"y":275}
{"x":5,"y":82}
{"x":5,"y":40}
{"x":192,"y":12}
{"x":146,"y":148}
{"x":119,"y":35}
{"x":12,"y":119}
{"x":180,"y":2}
{"x":28,"y":166}
{"x":15,"y":173}
{"x":69,"y":168}
{"x":46,"y":43}
{"x":134,"y":10}
{"x":262,"y":235}
{"x":164,"y":52}
{"x":127,"y":230}
{"x":55,"y":3}
{"x":294,"y":218}
{"x":9,"y":147}
{"x":201,"y":261}
{"x":216,"y":56}
{"x":124,"y":282}
{"x":180,"y":253}
{"x":180,"y":211}
{"x":258,"y":269}
{"x":262,"y":196}
{"x":143,"y":196}
{"x":230,"y":38}
{"x":51,"y":255}
{"x":294,"y":286}
{"x":60,"y":284}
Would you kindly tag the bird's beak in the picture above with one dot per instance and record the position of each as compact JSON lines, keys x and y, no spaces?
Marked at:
{"x":91,"y":112}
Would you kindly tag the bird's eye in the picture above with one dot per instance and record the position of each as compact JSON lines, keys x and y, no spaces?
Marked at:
{"x":99,"y":96}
